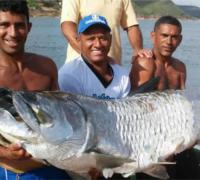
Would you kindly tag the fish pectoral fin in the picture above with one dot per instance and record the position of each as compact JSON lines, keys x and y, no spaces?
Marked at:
{"x":126,"y":170}
{"x":112,"y":164}
{"x":157,"y":171}
{"x":180,"y":146}
{"x":109,"y":161}
{"x":197,"y":147}
{"x":108,"y":172}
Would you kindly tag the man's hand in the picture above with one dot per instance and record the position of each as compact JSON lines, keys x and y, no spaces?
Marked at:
{"x":15,"y":152}
{"x":94,"y":173}
{"x":144,"y":53}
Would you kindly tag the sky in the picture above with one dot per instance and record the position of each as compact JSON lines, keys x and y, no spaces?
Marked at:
{"x":187,"y":2}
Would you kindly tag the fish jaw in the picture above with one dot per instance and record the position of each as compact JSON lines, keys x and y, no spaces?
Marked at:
{"x":15,"y":131}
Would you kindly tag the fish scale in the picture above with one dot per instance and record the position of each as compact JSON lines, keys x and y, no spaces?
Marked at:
{"x":147,"y":121}
{"x":120,"y":136}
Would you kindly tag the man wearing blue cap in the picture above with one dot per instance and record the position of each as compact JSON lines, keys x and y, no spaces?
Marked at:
{"x":91,"y":73}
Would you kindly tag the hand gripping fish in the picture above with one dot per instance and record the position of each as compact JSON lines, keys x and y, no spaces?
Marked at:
{"x":77,"y":133}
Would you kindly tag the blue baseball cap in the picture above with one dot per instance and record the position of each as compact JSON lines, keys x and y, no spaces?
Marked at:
{"x":91,"y":20}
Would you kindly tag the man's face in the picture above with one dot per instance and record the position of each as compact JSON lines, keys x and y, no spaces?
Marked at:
{"x":95,"y":44}
{"x":166,"y":39}
{"x":14,"y":29}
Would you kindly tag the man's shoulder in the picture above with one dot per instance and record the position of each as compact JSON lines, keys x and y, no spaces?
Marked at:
{"x":73,"y":66}
{"x":177,"y":61}
{"x":120,"y":70}
{"x":37,"y":61}
{"x":179,"y":65}
{"x":37,"y":58}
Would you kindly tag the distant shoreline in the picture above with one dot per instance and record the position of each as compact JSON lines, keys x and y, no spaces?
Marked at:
{"x":51,"y":12}
{"x":47,"y":12}
{"x":151,"y":10}
{"x":153,"y":18}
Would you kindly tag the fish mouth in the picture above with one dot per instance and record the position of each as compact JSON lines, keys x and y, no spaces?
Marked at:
{"x":6,"y":101}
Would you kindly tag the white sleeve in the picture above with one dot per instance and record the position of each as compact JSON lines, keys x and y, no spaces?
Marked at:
{"x":70,"y":11}
{"x":124,"y":80}
{"x":126,"y":87}
{"x":68,"y":83}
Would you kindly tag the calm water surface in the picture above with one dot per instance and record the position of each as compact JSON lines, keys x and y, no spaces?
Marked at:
{"x":46,"y":38}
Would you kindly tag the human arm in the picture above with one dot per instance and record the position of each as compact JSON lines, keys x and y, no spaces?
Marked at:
{"x":136,"y":42}
{"x":142,"y":70}
{"x":54,"y":84}
{"x":135,"y":37}
{"x":182,"y":81}
{"x":69,"y":30}
{"x":130,"y":24}
{"x":50,"y":69}
{"x":54,"y":79}
{"x":14,"y":152}
{"x":183,"y":76}
{"x":70,"y":14}
{"x":179,"y":69}
{"x":47,"y":69}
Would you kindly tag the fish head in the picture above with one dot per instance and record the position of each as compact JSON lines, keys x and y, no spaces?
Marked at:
{"x":57,"y":119}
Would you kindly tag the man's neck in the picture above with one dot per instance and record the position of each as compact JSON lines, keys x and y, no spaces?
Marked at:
{"x":101,"y":67}
{"x":103,"y":71}
{"x":162,"y":59}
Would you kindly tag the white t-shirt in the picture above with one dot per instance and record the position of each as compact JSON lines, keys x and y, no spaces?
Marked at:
{"x":77,"y":77}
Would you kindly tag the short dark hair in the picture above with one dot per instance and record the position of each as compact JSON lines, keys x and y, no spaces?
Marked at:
{"x":15,"y":6}
{"x":168,"y":20}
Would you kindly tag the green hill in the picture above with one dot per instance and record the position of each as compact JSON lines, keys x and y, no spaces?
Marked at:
{"x":156,"y":8}
{"x":143,"y":8}
{"x":192,"y":10}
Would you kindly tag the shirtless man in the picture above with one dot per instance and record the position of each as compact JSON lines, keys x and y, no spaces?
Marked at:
{"x":166,"y":37}
{"x":22,"y":71}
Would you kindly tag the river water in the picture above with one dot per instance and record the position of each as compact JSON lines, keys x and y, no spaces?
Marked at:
{"x":46,"y":38}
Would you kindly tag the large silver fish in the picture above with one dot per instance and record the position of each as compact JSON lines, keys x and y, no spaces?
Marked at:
{"x":125,"y":136}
